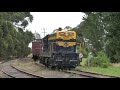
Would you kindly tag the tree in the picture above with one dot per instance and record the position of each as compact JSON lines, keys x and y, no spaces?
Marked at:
{"x":101,"y":31}
{"x":68,"y":28}
{"x":13,"y":39}
{"x":112,"y":20}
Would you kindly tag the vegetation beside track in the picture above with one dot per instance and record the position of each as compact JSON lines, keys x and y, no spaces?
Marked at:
{"x":113,"y":70}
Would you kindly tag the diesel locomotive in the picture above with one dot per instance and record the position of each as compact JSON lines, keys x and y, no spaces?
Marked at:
{"x":57,"y":50}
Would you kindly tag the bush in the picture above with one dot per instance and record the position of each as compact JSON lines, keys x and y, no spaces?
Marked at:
{"x":85,"y":53}
{"x":100,"y":61}
{"x":78,"y":49}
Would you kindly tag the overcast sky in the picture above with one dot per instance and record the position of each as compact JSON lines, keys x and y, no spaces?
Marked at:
{"x":53,"y":20}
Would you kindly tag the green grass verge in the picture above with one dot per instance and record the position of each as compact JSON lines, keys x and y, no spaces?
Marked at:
{"x":114,"y":71}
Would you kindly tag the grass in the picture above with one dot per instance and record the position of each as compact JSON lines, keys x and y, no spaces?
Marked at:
{"x":83,"y":61}
{"x":113,"y":70}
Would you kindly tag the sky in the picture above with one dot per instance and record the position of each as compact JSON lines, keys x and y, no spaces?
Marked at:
{"x":53,"y":20}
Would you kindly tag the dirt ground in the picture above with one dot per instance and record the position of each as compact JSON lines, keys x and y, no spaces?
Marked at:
{"x":33,"y":68}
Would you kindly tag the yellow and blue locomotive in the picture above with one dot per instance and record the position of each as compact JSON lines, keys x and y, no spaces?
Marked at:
{"x":59,"y":50}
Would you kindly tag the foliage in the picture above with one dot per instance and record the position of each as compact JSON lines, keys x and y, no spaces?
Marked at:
{"x":85,"y":52}
{"x":113,"y":36}
{"x":14,"y":40}
{"x":100,"y":61}
{"x":101,"y":31}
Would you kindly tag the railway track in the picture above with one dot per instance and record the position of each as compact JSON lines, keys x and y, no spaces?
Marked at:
{"x":13,"y":72}
{"x":89,"y":74}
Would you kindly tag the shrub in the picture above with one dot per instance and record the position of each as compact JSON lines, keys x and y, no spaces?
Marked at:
{"x":85,"y":53}
{"x":100,"y":61}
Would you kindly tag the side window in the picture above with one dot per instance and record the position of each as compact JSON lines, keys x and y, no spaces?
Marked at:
{"x":52,"y":47}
